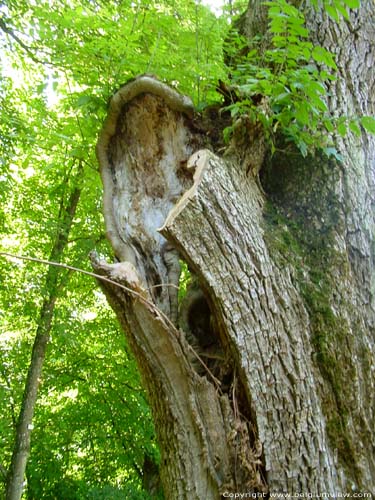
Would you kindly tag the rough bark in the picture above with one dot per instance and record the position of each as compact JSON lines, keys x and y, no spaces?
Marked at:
{"x":21,"y":449}
{"x":267,"y":325}
{"x":199,"y":426}
{"x":281,"y":398}
{"x":333,"y":207}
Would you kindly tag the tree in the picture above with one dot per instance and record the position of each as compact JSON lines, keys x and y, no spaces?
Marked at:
{"x":269,"y":387}
{"x":24,"y":424}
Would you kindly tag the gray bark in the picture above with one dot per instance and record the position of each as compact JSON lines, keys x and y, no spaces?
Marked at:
{"x":335,"y":204}
{"x":267,"y":325}
{"x":282,"y":400}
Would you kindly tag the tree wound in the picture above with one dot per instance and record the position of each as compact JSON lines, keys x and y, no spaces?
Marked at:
{"x":143,"y":151}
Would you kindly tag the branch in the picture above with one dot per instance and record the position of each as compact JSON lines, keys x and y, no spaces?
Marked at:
{"x":11,"y":33}
{"x":88,"y":273}
{"x":132,"y":292}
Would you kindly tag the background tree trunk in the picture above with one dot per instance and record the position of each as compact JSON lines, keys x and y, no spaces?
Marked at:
{"x":21,"y":449}
{"x":281,"y":396}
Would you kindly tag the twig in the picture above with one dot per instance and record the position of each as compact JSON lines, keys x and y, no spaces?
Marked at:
{"x":89,"y":273}
{"x":123,"y":287}
{"x":216,"y":380}
{"x":11,"y":33}
{"x":3,"y":472}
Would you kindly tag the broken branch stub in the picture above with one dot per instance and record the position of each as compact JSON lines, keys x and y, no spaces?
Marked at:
{"x":142,"y":150}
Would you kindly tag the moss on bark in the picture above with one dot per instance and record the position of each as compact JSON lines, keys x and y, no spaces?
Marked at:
{"x":317,"y":265}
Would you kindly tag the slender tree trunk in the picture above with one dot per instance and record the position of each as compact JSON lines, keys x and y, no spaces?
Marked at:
{"x":264,"y":381}
{"x":21,"y":450}
{"x":3,"y":472}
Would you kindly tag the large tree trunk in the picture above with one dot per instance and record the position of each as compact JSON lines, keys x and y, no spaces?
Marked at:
{"x":266,"y":381}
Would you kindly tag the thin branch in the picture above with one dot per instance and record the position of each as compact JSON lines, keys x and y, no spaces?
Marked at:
{"x":11,"y":398}
{"x":164,"y":284}
{"x":82,"y":271}
{"x":75,"y":114}
{"x":100,"y":237}
{"x":132,"y":292}
{"x":102,"y":278}
{"x":11,"y":33}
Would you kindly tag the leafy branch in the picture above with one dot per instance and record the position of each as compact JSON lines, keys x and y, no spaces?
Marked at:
{"x":337,"y":8}
{"x":285,"y":88}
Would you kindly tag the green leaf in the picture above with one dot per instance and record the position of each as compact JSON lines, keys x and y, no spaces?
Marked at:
{"x":302,"y":146}
{"x":343,"y":11}
{"x":317,"y":86}
{"x":341,"y":128}
{"x":368,"y":123}
{"x":83,"y":100}
{"x":41,"y":88}
{"x":282,"y":97}
{"x":306,"y":53}
{"x":302,"y":113}
{"x":330,"y":151}
{"x":328,"y":125}
{"x":321,"y":55}
{"x":355,"y":128}
{"x":227,"y":133}
{"x":301,"y":31}
{"x":332,"y":12}
{"x":352,"y":4}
